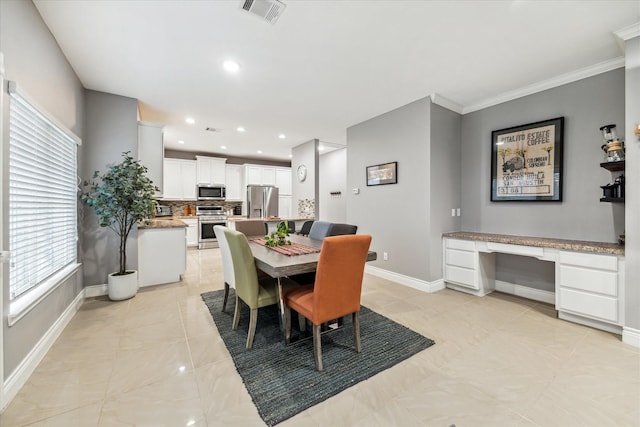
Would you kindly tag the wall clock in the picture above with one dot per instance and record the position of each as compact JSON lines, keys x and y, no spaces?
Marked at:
{"x":302,"y":173}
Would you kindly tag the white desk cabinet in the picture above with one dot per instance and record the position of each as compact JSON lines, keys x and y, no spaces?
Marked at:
{"x":589,"y":281}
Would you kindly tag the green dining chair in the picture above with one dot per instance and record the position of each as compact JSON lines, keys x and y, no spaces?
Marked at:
{"x":250,"y":290}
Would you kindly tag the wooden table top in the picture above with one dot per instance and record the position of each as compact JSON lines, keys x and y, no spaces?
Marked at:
{"x":278,"y":265}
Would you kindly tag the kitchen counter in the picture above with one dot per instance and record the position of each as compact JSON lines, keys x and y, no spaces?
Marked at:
{"x":169,"y":222}
{"x":272,"y":219}
{"x":541,"y":242}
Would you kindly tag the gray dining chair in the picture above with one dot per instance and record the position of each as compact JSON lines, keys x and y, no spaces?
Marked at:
{"x":227,"y":262}
{"x":319,"y":230}
{"x":342,"y":229}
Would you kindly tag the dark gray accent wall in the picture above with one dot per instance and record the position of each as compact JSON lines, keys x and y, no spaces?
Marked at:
{"x":34,"y":61}
{"x":396,"y":215}
{"x":112,"y":128}
{"x":586,"y":105}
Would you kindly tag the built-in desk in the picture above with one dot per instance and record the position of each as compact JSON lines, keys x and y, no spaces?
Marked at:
{"x":589,"y":276}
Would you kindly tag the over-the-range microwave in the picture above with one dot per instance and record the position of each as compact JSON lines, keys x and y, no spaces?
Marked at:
{"x":211,"y":192}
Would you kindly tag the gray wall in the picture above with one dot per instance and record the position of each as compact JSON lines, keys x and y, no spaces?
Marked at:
{"x":586,"y":105}
{"x":396,"y":215}
{"x":445,"y":185}
{"x":632,"y":199}
{"x":111,"y":129}
{"x":33,"y":59}
{"x":306,"y":154}
{"x":333,"y":178}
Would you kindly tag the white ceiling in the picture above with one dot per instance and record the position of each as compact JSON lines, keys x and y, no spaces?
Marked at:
{"x":324,"y":65}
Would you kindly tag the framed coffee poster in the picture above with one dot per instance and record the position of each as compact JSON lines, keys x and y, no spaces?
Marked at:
{"x":526,"y":162}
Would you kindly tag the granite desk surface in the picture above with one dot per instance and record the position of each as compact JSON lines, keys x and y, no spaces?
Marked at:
{"x":543,"y":242}
{"x":162,"y":223}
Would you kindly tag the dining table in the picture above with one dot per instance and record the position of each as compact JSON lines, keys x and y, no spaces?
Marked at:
{"x":278,"y":265}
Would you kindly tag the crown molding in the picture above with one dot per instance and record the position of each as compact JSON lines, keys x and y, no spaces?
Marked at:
{"x":560,"y":80}
{"x":630,"y":32}
{"x":446,"y":103}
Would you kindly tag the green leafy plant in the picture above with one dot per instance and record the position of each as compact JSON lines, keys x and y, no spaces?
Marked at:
{"x":279,"y":238}
{"x":121,"y":197}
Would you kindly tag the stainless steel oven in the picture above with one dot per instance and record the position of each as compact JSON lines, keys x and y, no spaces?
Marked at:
{"x":209,"y":217}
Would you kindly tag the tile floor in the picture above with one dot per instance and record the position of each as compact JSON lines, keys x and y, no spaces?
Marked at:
{"x":157,"y":360}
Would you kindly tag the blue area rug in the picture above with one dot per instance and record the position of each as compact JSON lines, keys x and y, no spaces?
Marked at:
{"x":282,"y":379}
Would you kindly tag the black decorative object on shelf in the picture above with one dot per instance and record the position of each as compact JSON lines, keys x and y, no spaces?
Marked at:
{"x":614,"y":192}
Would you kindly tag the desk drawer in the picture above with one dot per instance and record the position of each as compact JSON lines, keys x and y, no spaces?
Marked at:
{"x":461,"y":276}
{"x":596,"y":306}
{"x":464,"y":245}
{"x":460,"y":258}
{"x":598,"y":281}
{"x":602,"y":262}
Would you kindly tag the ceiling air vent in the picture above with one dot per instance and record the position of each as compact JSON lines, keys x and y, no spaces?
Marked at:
{"x":210,"y":129}
{"x":268,"y":10}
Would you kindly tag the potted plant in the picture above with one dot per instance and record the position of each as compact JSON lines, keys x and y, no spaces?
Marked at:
{"x":280,"y":237}
{"x":121,"y":197}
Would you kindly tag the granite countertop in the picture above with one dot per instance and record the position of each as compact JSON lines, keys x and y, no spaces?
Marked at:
{"x":170,"y":222}
{"x":543,"y":242}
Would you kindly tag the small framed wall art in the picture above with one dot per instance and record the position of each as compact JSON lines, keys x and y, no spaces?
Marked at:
{"x":386,"y":173}
{"x":526,"y":162}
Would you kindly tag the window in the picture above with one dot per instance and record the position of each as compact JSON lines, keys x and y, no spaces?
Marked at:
{"x":42,"y":196}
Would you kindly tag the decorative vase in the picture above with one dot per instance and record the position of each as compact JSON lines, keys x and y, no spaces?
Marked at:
{"x":124,"y":286}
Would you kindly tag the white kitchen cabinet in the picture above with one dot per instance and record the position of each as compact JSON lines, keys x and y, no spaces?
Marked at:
{"x":283,"y":180}
{"x":590,"y":285}
{"x":284,"y":206}
{"x":234,"y":182}
{"x":260,"y":175}
{"x":180,"y":179}
{"x":192,"y":231}
{"x":211,"y":170}
{"x":151,"y":152}
{"x":162,"y":255}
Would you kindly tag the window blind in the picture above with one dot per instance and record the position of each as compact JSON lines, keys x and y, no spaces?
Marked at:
{"x":42,"y":196}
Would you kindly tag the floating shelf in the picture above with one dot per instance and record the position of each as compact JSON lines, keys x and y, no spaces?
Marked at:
{"x":613,"y":166}
{"x":612,"y":199}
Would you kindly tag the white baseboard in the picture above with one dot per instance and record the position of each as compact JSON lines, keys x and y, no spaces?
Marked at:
{"x":95,"y":291}
{"x":526,"y":292}
{"x":631,"y":336}
{"x":21,"y":374}
{"x":411,"y":282}
{"x":603,"y":326}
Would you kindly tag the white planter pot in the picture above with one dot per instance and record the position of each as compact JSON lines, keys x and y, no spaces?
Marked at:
{"x":122,"y":287}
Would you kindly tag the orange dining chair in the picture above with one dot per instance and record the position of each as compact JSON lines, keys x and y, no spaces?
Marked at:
{"x":336,"y":291}
{"x":249,"y":289}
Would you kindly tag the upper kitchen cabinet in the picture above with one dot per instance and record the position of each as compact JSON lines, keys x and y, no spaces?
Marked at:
{"x":180,"y":179}
{"x":283,"y":180}
{"x":211,"y":170}
{"x":234,"y":183}
{"x":151,"y":152}
{"x":260,"y":175}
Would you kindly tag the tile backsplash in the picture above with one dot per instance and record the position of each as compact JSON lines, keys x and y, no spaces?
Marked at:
{"x":179,"y":207}
{"x":307,"y":208}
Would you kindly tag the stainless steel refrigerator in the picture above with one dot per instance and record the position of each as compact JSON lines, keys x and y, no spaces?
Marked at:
{"x":262,"y":201}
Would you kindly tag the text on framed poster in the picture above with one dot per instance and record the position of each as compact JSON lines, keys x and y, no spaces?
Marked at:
{"x":526,"y":162}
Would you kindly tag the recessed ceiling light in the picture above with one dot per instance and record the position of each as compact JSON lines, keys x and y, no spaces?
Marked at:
{"x":290,"y":156}
{"x":321,"y":148}
{"x":181,"y":142}
{"x":282,"y":136}
{"x":231,"y":66}
{"x":240,"y":129}
{"x":259,"y":151}
{"x":190,"y":120}
{"x":223,"y":147}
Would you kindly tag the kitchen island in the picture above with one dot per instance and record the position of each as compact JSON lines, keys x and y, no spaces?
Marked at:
{"x":162,"y":251}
